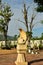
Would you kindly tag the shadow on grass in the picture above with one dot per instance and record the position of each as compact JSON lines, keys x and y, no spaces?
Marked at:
{"x":33,"y":61}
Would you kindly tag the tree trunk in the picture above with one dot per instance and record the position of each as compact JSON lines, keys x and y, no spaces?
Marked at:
{"x":5,"y":37}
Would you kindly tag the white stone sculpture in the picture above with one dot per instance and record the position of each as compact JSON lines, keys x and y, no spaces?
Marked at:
{"x":21,"y":49}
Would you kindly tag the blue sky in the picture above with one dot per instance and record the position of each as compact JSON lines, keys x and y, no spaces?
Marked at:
{"x":16,"y":7}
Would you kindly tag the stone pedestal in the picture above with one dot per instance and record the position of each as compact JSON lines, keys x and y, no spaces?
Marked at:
{"x":21,"y":50}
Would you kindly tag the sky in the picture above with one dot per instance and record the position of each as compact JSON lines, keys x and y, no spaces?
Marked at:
{"x":16,"y":8}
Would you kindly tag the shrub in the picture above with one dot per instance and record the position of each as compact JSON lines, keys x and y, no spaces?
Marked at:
{"x":9,"y":45}
{"x":40,"y":46}
{"x":2,"y":46}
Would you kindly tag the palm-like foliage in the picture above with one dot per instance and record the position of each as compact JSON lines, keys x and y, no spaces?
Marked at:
{"x":5,"y":13}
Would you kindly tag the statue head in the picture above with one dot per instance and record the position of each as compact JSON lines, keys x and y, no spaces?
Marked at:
{"x":22,"y":37}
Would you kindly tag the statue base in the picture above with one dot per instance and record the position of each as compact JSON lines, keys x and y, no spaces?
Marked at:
{"x":21,"y":50}
{"x":21,"y":63}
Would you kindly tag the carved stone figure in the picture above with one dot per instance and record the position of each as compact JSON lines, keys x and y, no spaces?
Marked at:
{"x":21,"y":49}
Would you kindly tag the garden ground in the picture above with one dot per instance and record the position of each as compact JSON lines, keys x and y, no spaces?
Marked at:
{"x":8,"y":57}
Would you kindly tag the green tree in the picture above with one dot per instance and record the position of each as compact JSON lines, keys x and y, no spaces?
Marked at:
{"x":40,"y":5}
{"x":42,"y":35}
{"x":5,"y":13}
{"x":42,"y":22}
{"x":15,"y":37}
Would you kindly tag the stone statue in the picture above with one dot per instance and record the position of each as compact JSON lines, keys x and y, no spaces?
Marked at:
{"x":21,"y":49}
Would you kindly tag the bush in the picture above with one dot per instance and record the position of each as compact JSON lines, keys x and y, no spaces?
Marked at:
{"x":8,"y":45}
{"x":15,"y":46}
{"x":12,"y":46}
{"x":2,"y":46}
{"x":41,"y":46}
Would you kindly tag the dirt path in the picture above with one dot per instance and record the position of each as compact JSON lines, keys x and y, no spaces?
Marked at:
{"x":9,"y":59}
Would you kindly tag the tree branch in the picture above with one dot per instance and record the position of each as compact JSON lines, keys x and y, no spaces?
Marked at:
{"x":21,"y":21}
{"x":34,"y":24}
{"x":28,"y":8}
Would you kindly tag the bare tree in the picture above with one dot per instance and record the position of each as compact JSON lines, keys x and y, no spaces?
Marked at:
{"x":31,"y":25}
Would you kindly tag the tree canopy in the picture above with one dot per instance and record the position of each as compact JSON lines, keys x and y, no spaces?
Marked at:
{"x":5,"y":17}
{"x":40,"y":5}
